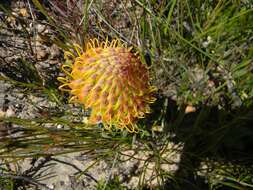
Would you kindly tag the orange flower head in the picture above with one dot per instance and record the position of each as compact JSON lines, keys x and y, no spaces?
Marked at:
{"x":111,"y":80}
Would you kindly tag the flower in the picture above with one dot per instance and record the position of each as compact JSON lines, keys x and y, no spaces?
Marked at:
{"x":111,"y":80}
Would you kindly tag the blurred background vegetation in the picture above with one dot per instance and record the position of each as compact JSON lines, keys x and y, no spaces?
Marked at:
{"x":200,"y":55}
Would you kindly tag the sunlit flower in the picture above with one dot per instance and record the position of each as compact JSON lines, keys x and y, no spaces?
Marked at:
{"x":111,"y":80}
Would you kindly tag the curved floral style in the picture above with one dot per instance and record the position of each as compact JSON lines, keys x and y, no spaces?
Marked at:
{"x":111,"y":80}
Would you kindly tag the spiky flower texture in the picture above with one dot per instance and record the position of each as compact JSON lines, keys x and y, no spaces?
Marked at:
{"x":111,"y":80}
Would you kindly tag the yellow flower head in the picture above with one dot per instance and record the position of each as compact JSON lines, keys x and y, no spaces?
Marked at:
{"x":110,"y":80}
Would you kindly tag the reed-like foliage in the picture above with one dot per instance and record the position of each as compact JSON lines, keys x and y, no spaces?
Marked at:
{"x":199,"y":54}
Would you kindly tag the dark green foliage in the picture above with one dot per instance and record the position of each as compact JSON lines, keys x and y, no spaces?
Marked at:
{"x":200,"y":53}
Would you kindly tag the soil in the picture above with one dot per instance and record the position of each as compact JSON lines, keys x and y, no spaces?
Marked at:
{"x":21,"y":44}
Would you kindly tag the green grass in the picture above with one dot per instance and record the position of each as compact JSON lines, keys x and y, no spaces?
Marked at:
{"x":199,"y":54}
